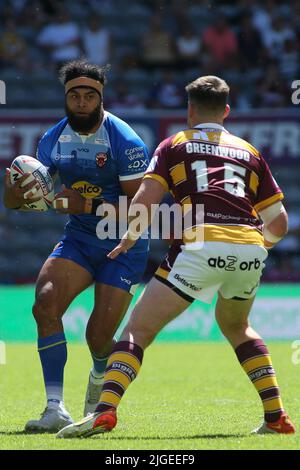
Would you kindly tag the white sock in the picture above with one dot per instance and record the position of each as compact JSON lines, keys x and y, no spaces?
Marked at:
{"x":96,"y":377}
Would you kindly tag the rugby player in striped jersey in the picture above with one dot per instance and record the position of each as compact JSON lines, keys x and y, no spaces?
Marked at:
{"x":222,"y":251}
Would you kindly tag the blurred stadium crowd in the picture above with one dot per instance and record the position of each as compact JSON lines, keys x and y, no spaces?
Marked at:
{"x":254,"y":45}
{"x":154,"y":47}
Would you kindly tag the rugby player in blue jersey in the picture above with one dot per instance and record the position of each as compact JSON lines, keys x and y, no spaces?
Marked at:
{"x":97,"y":157}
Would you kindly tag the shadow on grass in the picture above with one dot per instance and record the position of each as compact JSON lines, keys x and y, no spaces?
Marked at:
{"x":132,"y":438}
{"x":24,"y":433}
{"x":177,"y":438}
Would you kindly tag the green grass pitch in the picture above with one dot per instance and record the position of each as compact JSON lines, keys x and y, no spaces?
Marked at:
{"x":187,"y":397}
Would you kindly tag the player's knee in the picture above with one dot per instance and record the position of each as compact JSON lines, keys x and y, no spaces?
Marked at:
{"x":236,"y":327}
{"x":99,"y":342}
{"x":45,"y":304}
{"x":141,"y":334}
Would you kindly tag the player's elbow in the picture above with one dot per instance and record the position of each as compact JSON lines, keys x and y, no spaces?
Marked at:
{"x":279,"y":226}
{"x":285,"y":224}
{"x":275,"y":220}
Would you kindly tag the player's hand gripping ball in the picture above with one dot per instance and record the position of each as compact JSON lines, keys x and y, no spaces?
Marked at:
{"x":44,"y":189}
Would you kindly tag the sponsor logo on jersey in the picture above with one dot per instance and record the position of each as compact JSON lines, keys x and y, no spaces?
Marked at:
{"x":86,"y":189}
{"x":138,"y":164}
{"x":186,"y":283}
{"x":135,"y":152}
{"x":126,"y":280}
{"x":229,"y":217}
{"x":101,"y":142}
{"x":82,"y":149}
{"x":229,"y":263}
{"x":101,"y":159}
{"x":63,"y":157}
{"x":65,"y":138}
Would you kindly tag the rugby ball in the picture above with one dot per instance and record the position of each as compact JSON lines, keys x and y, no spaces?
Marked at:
{"x":26,"y":164}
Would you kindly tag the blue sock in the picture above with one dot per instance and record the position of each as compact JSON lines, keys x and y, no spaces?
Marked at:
{"x":53,"y":356}
{"x":99,"y":365}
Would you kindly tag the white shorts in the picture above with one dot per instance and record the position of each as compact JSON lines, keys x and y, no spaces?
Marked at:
{"x":232,"y":269}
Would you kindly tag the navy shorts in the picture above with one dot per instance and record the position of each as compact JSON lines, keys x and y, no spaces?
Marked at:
{"x":125,"y":271}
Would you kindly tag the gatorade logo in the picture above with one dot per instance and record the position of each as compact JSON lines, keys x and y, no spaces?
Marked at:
{"x":87,"y":190}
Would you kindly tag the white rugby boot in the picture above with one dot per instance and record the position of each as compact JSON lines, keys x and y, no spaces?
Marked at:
{"x":51,"y":421}
{"x":92,"y":395}
{"x":95,"y":423}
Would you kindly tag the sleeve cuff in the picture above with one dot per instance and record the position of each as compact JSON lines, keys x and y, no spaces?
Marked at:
{"x":158,"y":178}
{"x":134,"y":176}
{"x":267,"y":202}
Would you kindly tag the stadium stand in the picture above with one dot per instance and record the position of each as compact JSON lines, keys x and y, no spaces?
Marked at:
{"x":253,"y":45}
{"x":242,"y":41}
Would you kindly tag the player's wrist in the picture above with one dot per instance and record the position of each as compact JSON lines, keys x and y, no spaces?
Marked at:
{"x":131,"y":235}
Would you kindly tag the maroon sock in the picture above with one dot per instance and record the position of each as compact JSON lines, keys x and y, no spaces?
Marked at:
{"x":255,"y":359}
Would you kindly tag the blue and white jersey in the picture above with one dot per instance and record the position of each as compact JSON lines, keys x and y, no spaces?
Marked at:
{"x":94,"y":165}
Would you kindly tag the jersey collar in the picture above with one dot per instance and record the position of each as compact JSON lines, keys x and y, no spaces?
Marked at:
{"x":210,"y":125}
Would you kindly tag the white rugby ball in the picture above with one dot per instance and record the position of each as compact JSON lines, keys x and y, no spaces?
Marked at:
{"x":26,"y":164}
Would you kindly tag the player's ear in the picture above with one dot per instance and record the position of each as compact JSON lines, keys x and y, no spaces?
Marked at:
{"x":227,"y":111}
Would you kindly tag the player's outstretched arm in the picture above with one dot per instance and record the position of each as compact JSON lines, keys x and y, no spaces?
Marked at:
{"x":124,"y":245}
{"x":17,"y":194}
{"x":150,"y":193}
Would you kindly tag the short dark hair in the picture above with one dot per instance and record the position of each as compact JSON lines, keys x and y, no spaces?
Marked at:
{"x":209,"y":92}
{"x":81,"y":68}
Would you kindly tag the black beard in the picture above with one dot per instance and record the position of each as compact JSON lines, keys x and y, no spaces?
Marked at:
{"x":84,"y":124}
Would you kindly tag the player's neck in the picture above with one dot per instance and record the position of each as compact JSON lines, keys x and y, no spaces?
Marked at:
{"x":210,"y":120}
